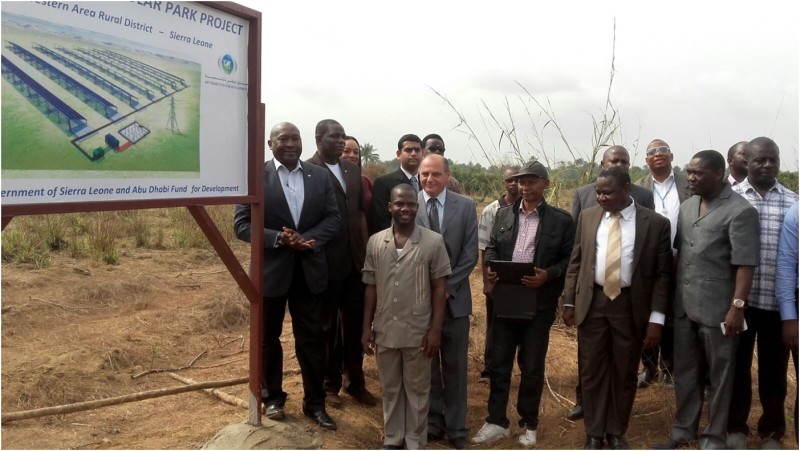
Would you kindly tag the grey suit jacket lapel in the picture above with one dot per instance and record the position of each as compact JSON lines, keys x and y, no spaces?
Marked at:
{"x":422,"y":212}
{"x":450,"y":207}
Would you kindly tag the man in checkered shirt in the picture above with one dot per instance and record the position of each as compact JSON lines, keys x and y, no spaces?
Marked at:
{"x":772,"y":200}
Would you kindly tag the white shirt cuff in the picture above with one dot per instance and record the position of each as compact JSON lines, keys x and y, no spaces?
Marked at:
{"x":657,"y":317}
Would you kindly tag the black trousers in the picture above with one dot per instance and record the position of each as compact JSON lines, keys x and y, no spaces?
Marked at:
{"x":344,"y":324}
{"x":773,"y":362}
{"x":532,"y":336}
{"x":307,"y":310}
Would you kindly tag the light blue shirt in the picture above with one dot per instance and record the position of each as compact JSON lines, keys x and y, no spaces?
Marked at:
{"x":440,"y":205}
{"x":786,"y":274}
{"x":293,"y":188}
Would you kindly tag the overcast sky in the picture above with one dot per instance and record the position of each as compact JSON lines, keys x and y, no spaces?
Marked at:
{"x":697,"y":74}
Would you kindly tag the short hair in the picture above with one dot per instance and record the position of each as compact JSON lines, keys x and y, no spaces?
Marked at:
{"x":352,"y":138}
{"x":446,"y":165}
{"x":399,"y":188}
{"x":432,"y":136}
{"x":732,"y":150}
{"x":322,"y":127}
{"x":712,"y":158}
{"x":760,"y":142}
{"x":621,"y":176}
{"x":408,"y":137}
{"x":660,"y":141}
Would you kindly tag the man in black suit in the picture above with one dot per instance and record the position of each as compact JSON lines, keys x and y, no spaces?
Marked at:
{"x":301,"y":218}
{"x":345,"y":257}
{"x":409,"y":153}
{"x":586,"y":197}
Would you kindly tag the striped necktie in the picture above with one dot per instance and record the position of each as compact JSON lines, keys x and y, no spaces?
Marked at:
{"x":611,"y":286}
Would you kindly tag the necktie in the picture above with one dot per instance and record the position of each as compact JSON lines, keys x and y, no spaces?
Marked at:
{"x":433,"y":214}
{"x":415,"y":183}
{"x":611,"y":287}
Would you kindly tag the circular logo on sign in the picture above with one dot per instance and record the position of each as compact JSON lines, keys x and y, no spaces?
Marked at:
{"x":227,"y":64}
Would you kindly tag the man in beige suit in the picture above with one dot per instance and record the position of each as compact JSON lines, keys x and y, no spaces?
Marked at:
{"x":404,"y":302}
{"x":616,"y":291}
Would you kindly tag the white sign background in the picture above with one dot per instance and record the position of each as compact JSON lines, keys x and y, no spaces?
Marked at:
{"x":223,"y":96}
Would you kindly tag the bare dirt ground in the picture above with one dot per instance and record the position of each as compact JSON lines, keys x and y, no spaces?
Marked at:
{"x":79,"y":330}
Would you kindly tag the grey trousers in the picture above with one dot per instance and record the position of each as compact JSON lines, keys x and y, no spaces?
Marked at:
{"x":448,"y":412}
{"x":699,"y":347}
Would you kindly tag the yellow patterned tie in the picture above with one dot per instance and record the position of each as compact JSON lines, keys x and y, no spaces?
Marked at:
{"x":611,"y":287}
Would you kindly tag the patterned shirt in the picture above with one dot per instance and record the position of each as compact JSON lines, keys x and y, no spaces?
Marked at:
{"x":525,"y":246}
{"x":771,"y":210}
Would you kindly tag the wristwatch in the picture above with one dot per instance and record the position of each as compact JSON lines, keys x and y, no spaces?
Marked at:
{"x":738,"y":303}
{"x":279,"y":240}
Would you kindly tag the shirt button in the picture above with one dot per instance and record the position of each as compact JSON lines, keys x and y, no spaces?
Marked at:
{"x":397,"y":265}
{"x":394,"y":300}
{"x":396,"y":283}
{"x":394,"y":318}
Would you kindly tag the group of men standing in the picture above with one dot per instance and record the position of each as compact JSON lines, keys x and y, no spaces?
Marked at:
{"x":673,"y":259}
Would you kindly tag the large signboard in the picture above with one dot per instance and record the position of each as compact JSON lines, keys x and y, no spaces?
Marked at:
{"x":123,"y":101}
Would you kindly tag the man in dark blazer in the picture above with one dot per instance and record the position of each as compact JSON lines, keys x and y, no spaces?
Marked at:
{"x":585,"y":197}
{"x":527,"y":231}
{"x":345,"y":257}
{"x":409,"y":153}
{"x":300,"y":218}
{"x":616,"y":291}
{"x":669,"y":190}
{"x":454,"y":216}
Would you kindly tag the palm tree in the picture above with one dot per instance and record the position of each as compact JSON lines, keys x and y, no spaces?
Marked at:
{"x":369,"y":154}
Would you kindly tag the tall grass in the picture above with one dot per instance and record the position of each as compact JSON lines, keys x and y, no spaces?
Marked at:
{"x":104,"y":235}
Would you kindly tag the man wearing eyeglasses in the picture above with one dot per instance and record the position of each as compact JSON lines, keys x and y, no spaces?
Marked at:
{"x":409,"y":153}
{"x":434,"y":143}
{"x":669,"y":190}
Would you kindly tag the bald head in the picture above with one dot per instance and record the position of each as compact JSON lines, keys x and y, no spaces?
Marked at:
{"x":737,"y":160}
{"x":434,"y":173}
{"x":285,"y":143}
{"x":399,"y":190}
{"x":616,"y":156}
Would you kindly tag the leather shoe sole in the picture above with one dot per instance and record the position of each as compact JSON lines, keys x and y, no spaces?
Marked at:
{"x":321,"y":418}
{"x":576,"y":413}
{"x":459,"y":443}
{"x":617,"y":442}
{"x":275,"y":412}
{"x":593,"y":443}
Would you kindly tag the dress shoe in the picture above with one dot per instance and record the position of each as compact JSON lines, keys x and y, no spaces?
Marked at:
{"x":275,"y":412}
{"x":434,"y":436}
{"x":672,"y":444}
{"x":459,"y":443}
{"x":576,"y":413}
{"x":593,"y":442}
{"x":321,"y":418}
{"x":617,"y":442}
{"x":363,"y":396}
{"x":645,"y":378}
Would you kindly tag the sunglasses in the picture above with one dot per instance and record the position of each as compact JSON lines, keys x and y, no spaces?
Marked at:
{"x":654,"y":150}
{"x":436,"y":148}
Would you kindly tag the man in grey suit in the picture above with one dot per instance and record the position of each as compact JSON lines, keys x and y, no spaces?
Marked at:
{"x":301,"y":218}
{"x":718,"y":251}
{"x":455,"y":217}
{"x":669,"y":190}
{"x":409,"y":154}
{"x":585,"y":197}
